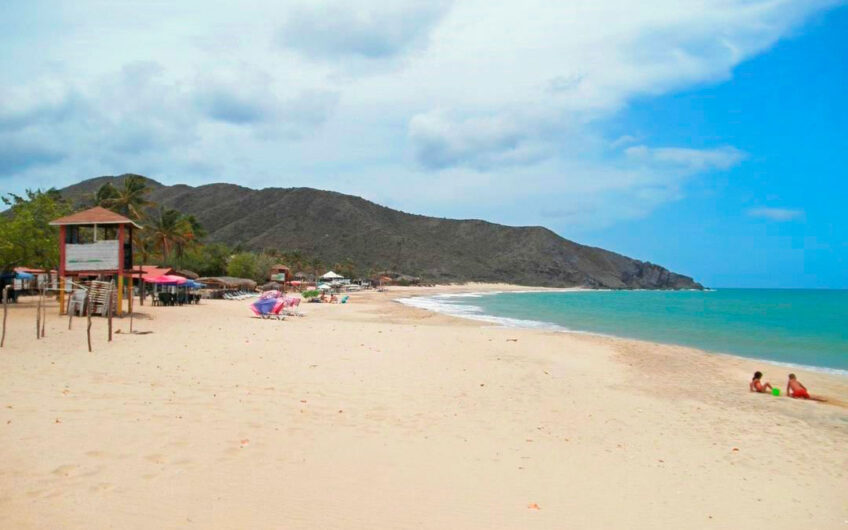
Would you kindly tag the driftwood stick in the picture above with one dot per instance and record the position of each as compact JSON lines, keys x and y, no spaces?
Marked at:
{"x":5,"y":311}
{"x":109,"y":301}
{"x":88,"y":306}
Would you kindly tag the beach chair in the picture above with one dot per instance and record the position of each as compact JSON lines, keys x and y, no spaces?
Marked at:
{"x":290,"y":305}
{"x":76,"y":303}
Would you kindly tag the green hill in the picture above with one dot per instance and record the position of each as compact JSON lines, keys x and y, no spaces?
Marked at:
{"x":334,"y":227}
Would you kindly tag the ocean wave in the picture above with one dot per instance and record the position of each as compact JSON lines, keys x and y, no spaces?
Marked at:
{"x":440,"y":304}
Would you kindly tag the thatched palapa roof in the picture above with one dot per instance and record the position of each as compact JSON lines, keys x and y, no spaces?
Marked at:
{"x":227,"y":282}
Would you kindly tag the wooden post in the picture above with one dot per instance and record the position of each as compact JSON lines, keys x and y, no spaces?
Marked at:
{"x":141,"y":285}
{"x":38,"y":318}
{"x":120,"y":270}
{"x":130,"y":293}
{"x":111,"y":294}
{"x":131,"y":309}
{"x":88,"y":306}
{"x":5,"y":310}
{"x":62,"y":239}
{"x":43,"y":313}
{"x":120,"y":293}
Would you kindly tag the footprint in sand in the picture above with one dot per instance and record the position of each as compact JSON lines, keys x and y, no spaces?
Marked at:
{"x":102,"y":487}
{"x":66,"y":470}
{"x":156,"y":458}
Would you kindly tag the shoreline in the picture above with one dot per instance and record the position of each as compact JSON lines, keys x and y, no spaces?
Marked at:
{"x":510,"y":322}
{"x":373,"y":414}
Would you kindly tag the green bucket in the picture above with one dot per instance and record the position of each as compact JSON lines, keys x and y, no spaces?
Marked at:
{"x":775,"y":391}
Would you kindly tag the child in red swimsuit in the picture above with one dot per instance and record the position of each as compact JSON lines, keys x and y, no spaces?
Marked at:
{"x":758,"y":386}
{"x":795,"y":389}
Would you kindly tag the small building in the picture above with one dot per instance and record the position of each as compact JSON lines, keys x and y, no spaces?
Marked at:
{"x":95,"y":243}
{"x":40,"y":278}
{"x":280,"y":273}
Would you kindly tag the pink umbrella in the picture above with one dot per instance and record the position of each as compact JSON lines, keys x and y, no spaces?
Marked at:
{"x":167,"y":279}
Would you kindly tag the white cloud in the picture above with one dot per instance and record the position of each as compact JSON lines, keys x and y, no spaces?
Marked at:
{"x":721,"y":158}
{"x":478,"y":108}
{"x":337,"y":29}
{"x":776,"y":214}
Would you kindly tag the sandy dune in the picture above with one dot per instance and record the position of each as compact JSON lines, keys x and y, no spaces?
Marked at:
{"x":375,"y":415}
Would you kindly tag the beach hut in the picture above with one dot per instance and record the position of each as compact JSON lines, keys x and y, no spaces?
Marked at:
{"x":331,"y":276}
{"x":95,"y":242}
{"x":228,"y":282}
{"x":271,"y":286}
{"x":185,"y":273}
{"x":280,"y":273}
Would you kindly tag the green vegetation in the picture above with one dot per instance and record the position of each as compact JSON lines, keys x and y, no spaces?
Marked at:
{"x":26,"y":238}
{"x":251,"y":265}
{"x":310,"y":294}
{"x":205,"y":259}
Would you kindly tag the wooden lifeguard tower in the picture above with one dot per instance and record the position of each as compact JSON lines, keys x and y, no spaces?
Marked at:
{"x":95,"y":242}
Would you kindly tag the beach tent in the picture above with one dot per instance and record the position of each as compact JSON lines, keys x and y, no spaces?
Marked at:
{"x":332,"y":276}
{"x":324,"y":286}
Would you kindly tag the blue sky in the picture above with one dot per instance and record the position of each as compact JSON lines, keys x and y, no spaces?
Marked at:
{"x":778,"y":219}
{"x":709,"y":137}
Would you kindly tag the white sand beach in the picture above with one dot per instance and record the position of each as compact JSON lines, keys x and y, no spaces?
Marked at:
{"x":377,"y":415}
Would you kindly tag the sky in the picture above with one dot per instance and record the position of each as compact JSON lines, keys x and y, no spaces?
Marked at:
{"x":710,"y":137}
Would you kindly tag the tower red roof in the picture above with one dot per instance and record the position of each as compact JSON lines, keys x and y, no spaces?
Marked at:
{"x":96,"y":215}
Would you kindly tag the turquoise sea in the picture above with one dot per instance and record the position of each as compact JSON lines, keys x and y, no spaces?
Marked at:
{"x":799,"y":327}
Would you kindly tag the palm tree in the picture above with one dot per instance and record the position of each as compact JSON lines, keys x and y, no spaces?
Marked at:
{"x":316,"y":265}
{"x":104,"y":195}
{"x":189,"y":233}
{"x":144,"y":245}
{"x":130,"y":199}
{"x":295,"y":260}
{"x":165,"y":231}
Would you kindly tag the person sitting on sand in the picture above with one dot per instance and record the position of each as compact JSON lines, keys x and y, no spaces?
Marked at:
{"x":333,"y":299}
{"x":795,"y":389}
{"x":758,"y":386}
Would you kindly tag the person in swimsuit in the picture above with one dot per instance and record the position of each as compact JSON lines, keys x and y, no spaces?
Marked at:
{"x":758,"y":386}
{"x":795,"y":389}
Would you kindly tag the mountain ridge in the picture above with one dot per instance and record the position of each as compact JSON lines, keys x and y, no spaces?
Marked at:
{"x":334,"y":226}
